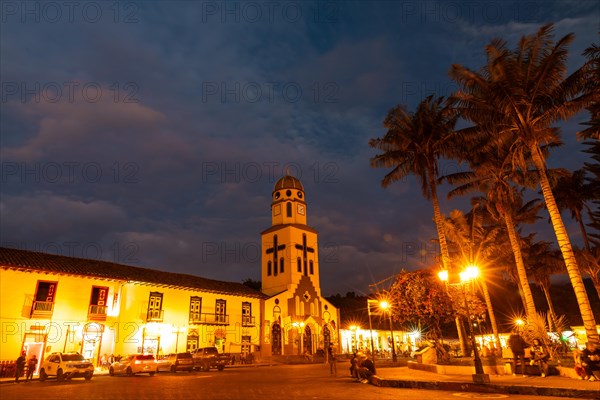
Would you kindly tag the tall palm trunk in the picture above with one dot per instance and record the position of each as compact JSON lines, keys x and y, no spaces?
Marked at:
{"x":551,"y":311}
{"x":439,"y":224}
{"x":521,"y":271}
{"x":488,"y":302}
{"x":579,"y":219}
{"x":589,"y":322}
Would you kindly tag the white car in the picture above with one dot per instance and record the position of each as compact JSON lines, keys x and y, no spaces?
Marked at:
{"x":66,"y":366}
{"x":134,"y":364}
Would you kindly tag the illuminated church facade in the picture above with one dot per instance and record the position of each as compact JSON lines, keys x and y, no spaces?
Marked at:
{"x":300,"y":320}
{"x":57,"y":303}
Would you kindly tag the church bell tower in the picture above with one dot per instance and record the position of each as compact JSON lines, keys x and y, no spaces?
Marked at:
{"x":289,"y":246}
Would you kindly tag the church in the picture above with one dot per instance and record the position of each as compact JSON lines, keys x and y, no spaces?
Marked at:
{"x":56,"y":303}
{"x":299,"y":319}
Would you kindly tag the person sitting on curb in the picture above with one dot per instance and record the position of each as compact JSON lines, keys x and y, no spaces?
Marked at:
{"x":539,"y":355}
{"x":366,"y":369}
{"x":577,"y":365}
{"x":590,"y":360}
{"x":354,"y":364}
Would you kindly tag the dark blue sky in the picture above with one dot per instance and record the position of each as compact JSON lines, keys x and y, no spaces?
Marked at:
{"x":151,"y":133}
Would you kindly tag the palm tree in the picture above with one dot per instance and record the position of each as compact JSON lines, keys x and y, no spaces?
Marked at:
{"x":413,"y":145}
{"x":492,"y":173}
{"x":572,"y":193}
{"x":521,"y":94}
{"x":589,"y":262}
{"x":473,"y":239}
{"x":592,"y":85}
{"x":542,"y":262}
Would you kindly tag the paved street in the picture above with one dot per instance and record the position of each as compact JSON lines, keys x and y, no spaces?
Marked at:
{"x":273,"y":383}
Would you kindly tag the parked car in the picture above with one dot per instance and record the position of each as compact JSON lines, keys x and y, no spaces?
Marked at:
{"x":66,"y":366}
{"x":134,"y":364}
{"x":206,"y":358}
{"x":176,"y":362}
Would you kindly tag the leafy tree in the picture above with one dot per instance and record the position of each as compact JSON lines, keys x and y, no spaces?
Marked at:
{"x":420,"y":297}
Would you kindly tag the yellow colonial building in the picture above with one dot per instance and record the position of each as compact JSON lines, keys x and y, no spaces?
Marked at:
{"x":54,"y":303}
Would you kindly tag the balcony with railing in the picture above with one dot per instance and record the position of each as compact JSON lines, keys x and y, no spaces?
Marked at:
{"x":248,"y":320}
{"x":97,"y":313}
{"x":209,"y":319}
{"x":42,"y":309}
{"x":154,"y":315}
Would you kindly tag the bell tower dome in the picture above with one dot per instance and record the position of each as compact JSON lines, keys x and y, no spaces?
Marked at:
{"x":288,"y":205}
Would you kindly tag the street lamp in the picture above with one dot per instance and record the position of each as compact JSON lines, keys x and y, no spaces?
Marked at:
{"x":355,"y":328}
{"x":469,"y":274}
{"x":299,"y":326}
{"x":177,"y":330}
{"x":369,"y":302}
{"x":386,"y":307}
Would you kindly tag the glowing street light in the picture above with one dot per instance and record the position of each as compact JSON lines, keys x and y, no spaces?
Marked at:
{"x":470,"y":273}
{"x":387,"y":307}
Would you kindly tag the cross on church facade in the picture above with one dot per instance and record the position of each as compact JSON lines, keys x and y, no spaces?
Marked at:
{"x":274,"y":250}
{"x":305,"y":249}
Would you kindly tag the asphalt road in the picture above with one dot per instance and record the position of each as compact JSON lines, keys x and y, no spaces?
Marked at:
{"x":302,"y":382}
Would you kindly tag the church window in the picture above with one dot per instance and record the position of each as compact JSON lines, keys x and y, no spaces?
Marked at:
{"x":288,"y":193}
{"x":312,"y":268}
{"x":281,"y":265}
{"x":297,"y":305}
{"x":288,"y":210}
{"x":268,"y":268}
{"x":301,"y":308}
{"x":299,"y":194}
{"x":299,"y":264}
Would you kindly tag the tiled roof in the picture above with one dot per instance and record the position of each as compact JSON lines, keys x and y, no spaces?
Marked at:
{"x":30,"y":260}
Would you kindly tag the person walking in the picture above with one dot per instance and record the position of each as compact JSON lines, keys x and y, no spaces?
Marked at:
{"x":517,"y":345}
{"x":20,"y":367}
{"x":332,"y":360}
{"x":540,"y":356}
{"x":31,"y":366}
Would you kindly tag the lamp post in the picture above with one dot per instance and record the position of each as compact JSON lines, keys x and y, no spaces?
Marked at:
{"x":354,"y":328}
{"x":177,"y":330}
{"x":369,"y":302}
{"x":299,"y":326}
{"x":386,"y":307}
{"x":467,"y":276}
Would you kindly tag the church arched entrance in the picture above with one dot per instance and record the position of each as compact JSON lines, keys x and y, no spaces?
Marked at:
{"x":276,"y":339}
{"x":307,"y":340}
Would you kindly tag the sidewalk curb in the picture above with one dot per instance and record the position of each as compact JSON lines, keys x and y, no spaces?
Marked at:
{"x":485,"y":388}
